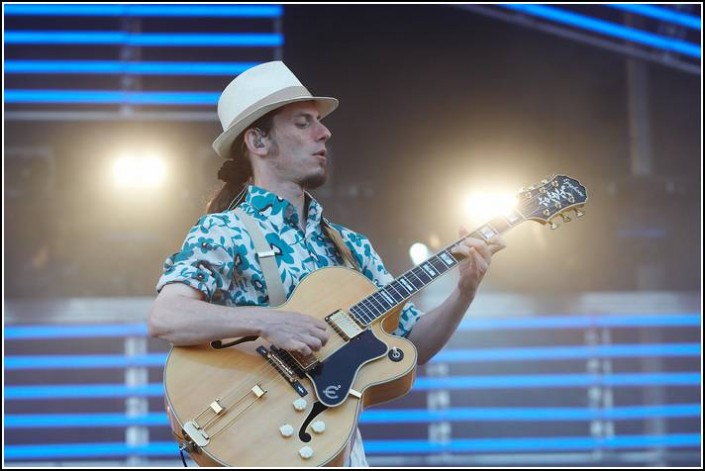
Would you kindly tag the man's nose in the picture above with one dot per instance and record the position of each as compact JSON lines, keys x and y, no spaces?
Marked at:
{"x":325,"y":133}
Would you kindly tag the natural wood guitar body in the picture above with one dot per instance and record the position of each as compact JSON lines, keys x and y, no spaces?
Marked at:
{"x":240,"y":401}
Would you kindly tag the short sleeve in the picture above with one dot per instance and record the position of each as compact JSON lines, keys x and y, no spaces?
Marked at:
{"x":207,"y":256}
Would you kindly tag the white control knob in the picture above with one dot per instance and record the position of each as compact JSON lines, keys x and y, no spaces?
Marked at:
{"x":318,"y":426}
{"x":306,"y":452}
{"x":286,"y":430}
{"x":300,"y":404}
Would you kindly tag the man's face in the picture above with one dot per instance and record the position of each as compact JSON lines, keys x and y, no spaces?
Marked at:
{"x":299,"y":145}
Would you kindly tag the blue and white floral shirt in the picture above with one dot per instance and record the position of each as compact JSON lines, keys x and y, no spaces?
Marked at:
{"x":218,"y":255}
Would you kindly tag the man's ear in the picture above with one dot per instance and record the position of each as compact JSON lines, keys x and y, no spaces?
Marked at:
{"x":253,"y":141}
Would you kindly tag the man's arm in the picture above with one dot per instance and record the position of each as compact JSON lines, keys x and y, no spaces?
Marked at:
{"x":181,"y":316}
{"x":433,"y":330}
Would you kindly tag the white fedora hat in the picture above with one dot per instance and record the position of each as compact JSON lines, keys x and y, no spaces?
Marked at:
{"x":256,"y":92}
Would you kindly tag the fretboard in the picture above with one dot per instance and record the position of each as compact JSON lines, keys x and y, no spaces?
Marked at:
{"x":411,"y":282}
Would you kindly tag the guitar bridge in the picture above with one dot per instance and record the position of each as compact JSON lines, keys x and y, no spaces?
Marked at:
{"x":286,"y":366}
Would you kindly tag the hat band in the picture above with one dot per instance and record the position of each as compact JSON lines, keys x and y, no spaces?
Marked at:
{"x":281,"y":95}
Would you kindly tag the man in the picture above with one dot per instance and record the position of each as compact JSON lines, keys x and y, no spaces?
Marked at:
{"x":273,"y":137}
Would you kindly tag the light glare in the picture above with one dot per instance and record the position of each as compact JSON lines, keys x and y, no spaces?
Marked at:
{"x":132,"y":171}
{"x":418,"y":253}
{"x":486,"y":205}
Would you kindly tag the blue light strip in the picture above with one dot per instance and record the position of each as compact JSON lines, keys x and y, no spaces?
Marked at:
{"x":382,"y":416}
{"x":380,"y":447}
{"x":76,"y":391}
{"x":558,"y":381}
{"x":80,"y":391}
{"x":582,"y":322}
{"x":145,"y":39}
{"x":84,"y":420}
{"x":541,"y":414}
{"x":88,"y":450}
{"x":43,"y":331}
{"x":239,"y":11}
{"x":375,"y":447}
{"x":132,"y":68}
{"x":111,"y":97}
{"x":38,"y":362}
{"x":605,"y":27}
{"x":660,"y":13}
{"x":43,"y":362}
{"x":568,"y":352}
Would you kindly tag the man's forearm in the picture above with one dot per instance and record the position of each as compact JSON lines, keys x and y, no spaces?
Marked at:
{"x":183,"y":320}
{"x":435,"y":327}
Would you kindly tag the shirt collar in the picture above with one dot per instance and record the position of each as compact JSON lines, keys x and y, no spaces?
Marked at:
{"x":269,"y":204}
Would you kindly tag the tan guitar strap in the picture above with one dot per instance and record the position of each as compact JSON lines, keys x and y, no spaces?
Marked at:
{"x":266,"y":255}
{"x":337,"y":238}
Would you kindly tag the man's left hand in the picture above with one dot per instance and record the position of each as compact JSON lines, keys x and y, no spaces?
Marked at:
{"x":477,"y":256}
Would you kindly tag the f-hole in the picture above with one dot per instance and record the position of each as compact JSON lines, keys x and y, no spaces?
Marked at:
{"x":317,"y":409}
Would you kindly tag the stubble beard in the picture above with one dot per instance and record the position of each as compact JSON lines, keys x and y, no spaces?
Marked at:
{"x":311,"y":182}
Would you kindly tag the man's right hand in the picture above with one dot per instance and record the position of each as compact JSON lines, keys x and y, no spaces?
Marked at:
{"x":292,"y":331}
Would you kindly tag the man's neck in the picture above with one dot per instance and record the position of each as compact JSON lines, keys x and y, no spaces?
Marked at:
{"x":289,"y":191}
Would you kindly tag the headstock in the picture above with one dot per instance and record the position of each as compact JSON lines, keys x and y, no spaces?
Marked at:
{"x":558,"y":196}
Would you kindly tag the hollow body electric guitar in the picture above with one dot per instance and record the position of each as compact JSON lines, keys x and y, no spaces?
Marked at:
{"x":254,"y":404}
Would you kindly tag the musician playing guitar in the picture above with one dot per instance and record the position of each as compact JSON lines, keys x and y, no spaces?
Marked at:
{"x":221,"y":284}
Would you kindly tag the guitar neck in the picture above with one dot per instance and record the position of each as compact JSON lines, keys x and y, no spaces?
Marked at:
{"x":414,"y":280}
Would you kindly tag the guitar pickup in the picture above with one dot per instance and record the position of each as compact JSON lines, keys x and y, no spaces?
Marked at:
{"x":344,"y":324}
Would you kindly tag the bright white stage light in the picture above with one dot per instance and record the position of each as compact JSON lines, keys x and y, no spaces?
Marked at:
{"x":486,"y":205}
{"x":419,"y":252}
{"x":135,"y":171}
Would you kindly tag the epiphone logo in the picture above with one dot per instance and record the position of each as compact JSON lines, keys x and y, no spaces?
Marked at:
{"x":331,"y":392}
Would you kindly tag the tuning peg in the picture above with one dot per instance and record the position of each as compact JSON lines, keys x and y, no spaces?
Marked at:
{"x":566,"y":218}
{"x":579,"y":213}
{"x":554,"y":226}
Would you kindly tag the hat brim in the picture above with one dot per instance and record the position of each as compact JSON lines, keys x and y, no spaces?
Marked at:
{"x":223,"y":142}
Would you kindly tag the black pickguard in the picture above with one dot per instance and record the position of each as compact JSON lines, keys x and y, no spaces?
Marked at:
{"x":333,"y":377}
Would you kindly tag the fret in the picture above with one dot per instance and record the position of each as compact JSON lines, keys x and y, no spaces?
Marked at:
{"x":393,"y":285}
{"x":486,"y":232}
{"x":362,"y":313}
{"x":429,"y":268}
{"x":447,"y":258}
{"x":376,"y":304}
{"x":421,"y":275}
{"x":406,"y":285}
{"x":440,"y":267}
{"x":512,"y":219}
{"x":387,"y":297}
{"x":379,"y":299}
{"x":411,"y":280}
{"x":368,"y":304}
